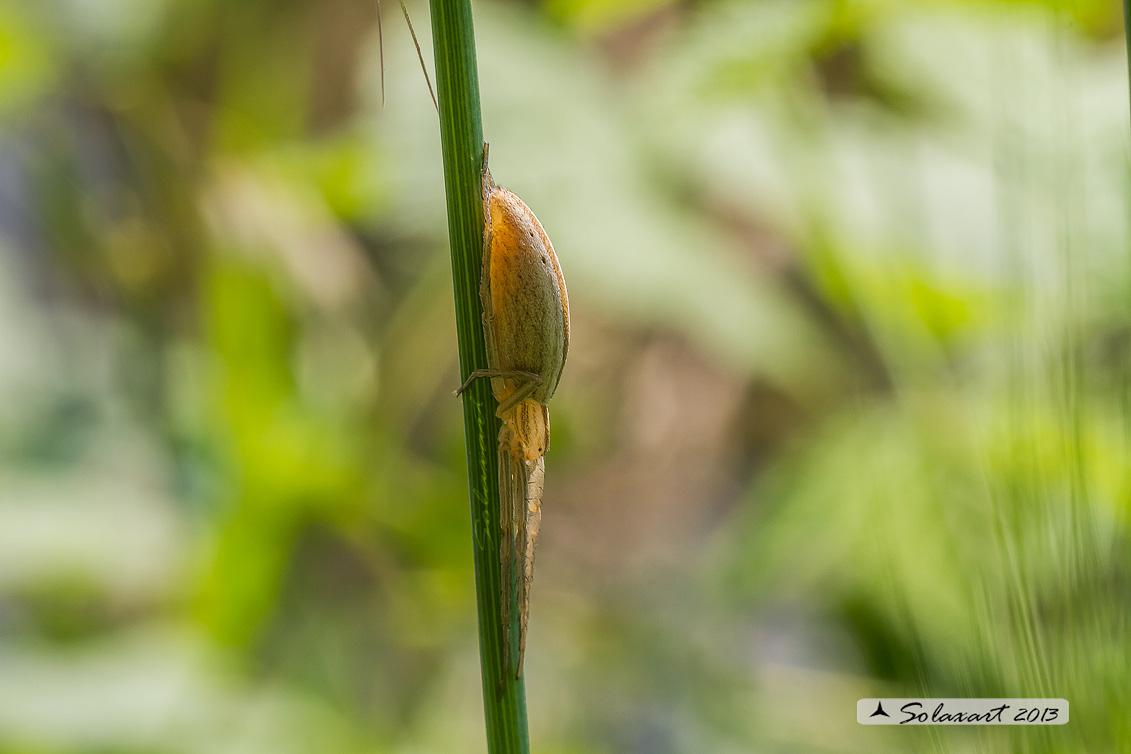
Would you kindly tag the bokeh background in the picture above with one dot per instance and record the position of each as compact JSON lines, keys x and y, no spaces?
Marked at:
{"x":847,"y":411}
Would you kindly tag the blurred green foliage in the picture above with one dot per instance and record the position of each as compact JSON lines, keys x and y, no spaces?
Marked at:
{"x":846,"y":415}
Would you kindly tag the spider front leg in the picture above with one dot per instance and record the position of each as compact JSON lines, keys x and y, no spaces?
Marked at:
{"x":533,"y":482}
{"x":512,"y":521}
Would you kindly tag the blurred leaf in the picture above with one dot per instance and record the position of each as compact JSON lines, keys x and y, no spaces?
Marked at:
{"x":28,"y":62}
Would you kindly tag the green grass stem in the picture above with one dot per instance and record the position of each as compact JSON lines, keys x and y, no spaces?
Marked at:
{"x":461,"y":131}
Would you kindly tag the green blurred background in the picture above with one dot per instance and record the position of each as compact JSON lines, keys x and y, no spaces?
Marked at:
{"x":847,"y":411}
